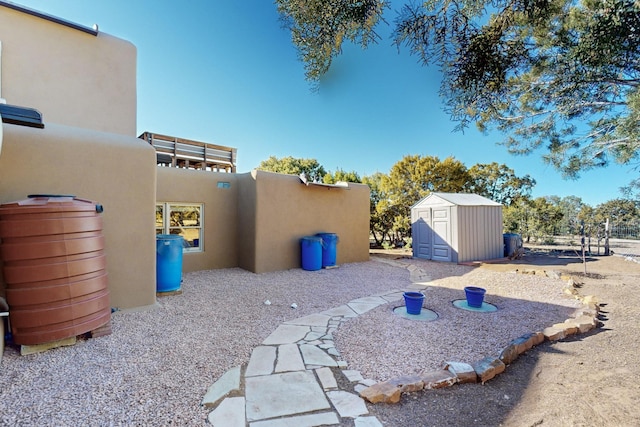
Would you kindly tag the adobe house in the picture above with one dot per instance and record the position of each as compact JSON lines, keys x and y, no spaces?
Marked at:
{"x":83,"y":84}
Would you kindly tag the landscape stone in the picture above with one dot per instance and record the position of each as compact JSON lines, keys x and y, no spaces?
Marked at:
{"x":407,"y":383}
{"x":553,"y":274}
{"x":568,"y":328}
{"x":538,"y":338}
{"x":463,"y":372}
{"x":591,"y":301}
{"x":381,"y":392}
{"x":570,"y":290}
{"x":584,"y":323}
{"x":509,"y":354}
{"x":488,"y":368}
{"x":524,"y":342}
{"x":439,"y":379}
{"x":553,"y":334}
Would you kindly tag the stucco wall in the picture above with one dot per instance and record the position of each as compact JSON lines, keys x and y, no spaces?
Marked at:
{"x":220,"y":220}
{"x":116,"y":171}
{"x":247,"y":216}
{"x":287,"y":210}
{"x":71,"y":77}
{"x":257,"y":223}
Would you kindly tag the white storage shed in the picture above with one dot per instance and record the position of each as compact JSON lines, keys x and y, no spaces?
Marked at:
{"x":457,"y":227}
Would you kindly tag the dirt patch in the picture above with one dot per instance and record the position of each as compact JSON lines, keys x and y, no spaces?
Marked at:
{"x":591,"y":379}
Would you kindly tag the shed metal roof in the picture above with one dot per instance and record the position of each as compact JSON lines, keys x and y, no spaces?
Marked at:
{"x":461,"y":199}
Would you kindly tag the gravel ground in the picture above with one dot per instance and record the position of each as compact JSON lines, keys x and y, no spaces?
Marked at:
{"x":156,"y":366}
{"x":526,"y":303}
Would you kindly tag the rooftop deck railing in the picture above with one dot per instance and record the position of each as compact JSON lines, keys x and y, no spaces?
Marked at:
{"x":185,"y":153}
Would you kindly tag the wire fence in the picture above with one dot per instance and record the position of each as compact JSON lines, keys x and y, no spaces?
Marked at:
{"x":625,"y":231}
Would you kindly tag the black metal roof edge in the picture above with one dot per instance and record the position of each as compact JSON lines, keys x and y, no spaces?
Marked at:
{"x":48,"y":17}
{"x":23,"y":116}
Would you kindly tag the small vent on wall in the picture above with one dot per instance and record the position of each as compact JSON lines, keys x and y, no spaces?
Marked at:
{"x":21,"y":116}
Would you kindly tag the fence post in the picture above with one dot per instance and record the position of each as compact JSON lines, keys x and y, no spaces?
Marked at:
{"x":606,"y":238}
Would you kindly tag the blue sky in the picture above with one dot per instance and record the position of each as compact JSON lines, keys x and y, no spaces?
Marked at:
{"x":225,"y":72}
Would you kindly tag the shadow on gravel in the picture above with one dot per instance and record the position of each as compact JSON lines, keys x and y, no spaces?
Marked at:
{"x":463,"y":405}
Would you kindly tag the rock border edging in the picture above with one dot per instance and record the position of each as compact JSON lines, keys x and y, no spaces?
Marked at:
{"x":583,"y":320}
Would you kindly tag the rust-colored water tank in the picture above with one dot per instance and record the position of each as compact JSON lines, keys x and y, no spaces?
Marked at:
{"x":52,"y":250}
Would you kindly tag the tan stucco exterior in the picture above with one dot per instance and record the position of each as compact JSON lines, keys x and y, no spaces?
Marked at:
{"x":286,"y":210}
{"x":114,"y":170}
{"x":85,"y":87}
{"x":220,"y":221}
{"x":71,"y":77}
{"x":258,"y":221}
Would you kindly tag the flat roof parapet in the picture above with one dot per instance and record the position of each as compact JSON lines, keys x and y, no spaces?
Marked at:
{"x":93,"y":31}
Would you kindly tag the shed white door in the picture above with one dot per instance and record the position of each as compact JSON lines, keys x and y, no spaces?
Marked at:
{"x":432,"y":233}
{"x":422,"y":233}
{"x":441,"y":226}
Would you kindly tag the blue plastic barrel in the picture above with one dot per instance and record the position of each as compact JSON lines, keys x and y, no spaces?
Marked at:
{"x":329,"y":242}
{"x":311,"y":252}
{"x":168,"y":262}
{"x":512,"y":243}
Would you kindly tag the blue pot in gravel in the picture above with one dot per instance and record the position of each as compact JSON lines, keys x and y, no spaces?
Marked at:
{"x":413,"y":301}
{"x":475,"y":296}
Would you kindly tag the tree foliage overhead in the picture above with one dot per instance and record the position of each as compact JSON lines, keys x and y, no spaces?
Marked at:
{"x":562,"y":76}
{"x":319,"y":27}
{"x":293,"y":166}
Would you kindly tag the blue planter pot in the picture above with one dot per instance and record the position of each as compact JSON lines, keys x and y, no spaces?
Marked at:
{"x":475,"y":296}
{"x":413,"y":301}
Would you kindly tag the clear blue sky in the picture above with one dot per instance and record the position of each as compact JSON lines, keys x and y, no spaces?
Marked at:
{"x":225,"y":72}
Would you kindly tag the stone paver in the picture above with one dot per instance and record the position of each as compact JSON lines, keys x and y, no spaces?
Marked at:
{"x":230,"y":413}
{"x":311,"y":420}
{"x":367,"y":422}
{"x":262,"y":361}
{"x":287,"y":334}
{"x":313,"y":355}
{"x":347,"y":404}
{"x":289,"y":358}
{"x":283,"y":394}
{"x":288,"y":381}
{"x":311,"y":320}
{"x":228,"y":382}
{"x":362,"y":307}
{"x":326,"y":378}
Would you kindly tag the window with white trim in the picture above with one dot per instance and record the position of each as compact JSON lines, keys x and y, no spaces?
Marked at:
{"x":184,"y":219}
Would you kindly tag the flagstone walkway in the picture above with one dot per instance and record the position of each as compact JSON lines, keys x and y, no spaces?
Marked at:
{"x":290,"y":379}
